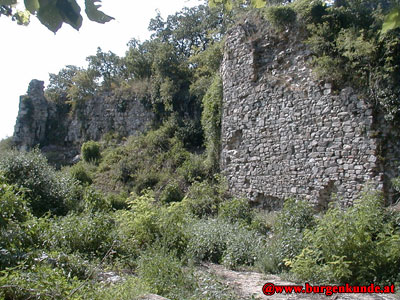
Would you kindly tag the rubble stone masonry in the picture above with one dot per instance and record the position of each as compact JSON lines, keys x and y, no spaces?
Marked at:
{"x":286,"y":134}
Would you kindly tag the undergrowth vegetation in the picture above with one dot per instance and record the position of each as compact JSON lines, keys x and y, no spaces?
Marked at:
{"x":151,"y":209}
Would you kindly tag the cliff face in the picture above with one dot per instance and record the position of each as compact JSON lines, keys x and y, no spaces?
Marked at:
{"x":285,"y":134}
{"x":52,"y":127}
{"x":30,"y":127}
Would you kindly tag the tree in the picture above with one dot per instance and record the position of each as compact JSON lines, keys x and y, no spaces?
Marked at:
{"x":53,"y":13}
{"x":392,"y":20}
{"x":59,"y":84}
{"x":229,"y":4}
{"x":108,"y":66}
{"x":190,"y":29}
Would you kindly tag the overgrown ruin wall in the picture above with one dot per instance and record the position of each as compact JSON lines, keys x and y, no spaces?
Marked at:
{"x":285,"y":134}
{"x":52,"y":127}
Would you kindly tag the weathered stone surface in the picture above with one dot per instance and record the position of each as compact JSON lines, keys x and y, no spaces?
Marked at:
{"x":306,"y":139}
{"x":56,"y":131}
{"x":30,"y":128}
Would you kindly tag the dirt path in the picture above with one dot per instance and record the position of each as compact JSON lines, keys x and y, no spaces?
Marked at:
{"x":248,"y":285}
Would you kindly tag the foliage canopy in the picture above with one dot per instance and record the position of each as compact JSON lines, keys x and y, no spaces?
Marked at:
{"x":53,"y":13}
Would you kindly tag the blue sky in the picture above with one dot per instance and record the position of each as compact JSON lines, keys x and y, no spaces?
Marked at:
{"x":32,"y":52}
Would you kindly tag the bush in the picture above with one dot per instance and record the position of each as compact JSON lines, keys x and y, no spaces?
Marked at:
{"x":263,"y":222}
{"x":356,"y":246}
{"x":220,"y":241}
{"x":309,"y":11}
{"x":145,"y":223}
{"x":118,"y":201}
{"x":209,"y":286}
{"x":38,"y":282}
{"x":46,"y":189}
{"x":6,"y":144}
{"x":243,"y":248}
{"x":91,"y":151}
{"x":81,"y":172}
{"x":129,"y":289}
{"x":203,"y":198}
{"x":163,"y":272}
{"x":236,"y":210}
{"x":171,"y":193}
{"x":94,"y":200}
{"x":289,"y":227}
{"x":211,"y":122}
{"x":89,"y":234}
{"x":13,"y":206}
{"x":193,"y":169}
{"x":280,"y":16}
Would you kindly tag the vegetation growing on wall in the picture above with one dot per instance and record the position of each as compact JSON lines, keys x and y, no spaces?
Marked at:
{"x":349,"y":46}
{"x":153,"y":205}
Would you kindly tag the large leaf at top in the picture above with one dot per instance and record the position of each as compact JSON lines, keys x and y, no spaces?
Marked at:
{"x":53,"y":13}
{"x":32,"y":5}
{"x":70,"y":12}
{"x":392,"y":20}
{"x":49,"y":15}
{"x":93,"y":12}
{"x":8,"y":2}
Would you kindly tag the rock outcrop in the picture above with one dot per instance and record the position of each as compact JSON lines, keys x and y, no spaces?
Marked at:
{"x":285,"y":134}
{"x":60,"y":133}
{"x":30,"y":128}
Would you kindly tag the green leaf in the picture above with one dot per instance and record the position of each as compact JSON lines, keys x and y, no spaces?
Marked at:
{"x":8,"y":2}
{"x":228,"y":5}
{"x":32,"y":5}
{"x":22,"y":17}
{"x":258,"y":3}
{"x":392,"y":20}
{"x":49,"y":15}
{"x":94,"y":14}
{"x":70,"y":12}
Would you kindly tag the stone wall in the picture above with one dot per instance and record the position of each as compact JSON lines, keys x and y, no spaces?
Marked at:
{"x":285,"y":134}
{"x":52,"y":127}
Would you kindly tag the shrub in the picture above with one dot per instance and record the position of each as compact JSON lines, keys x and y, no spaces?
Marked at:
{"x":81,"y":173}
{"x":38,"y":282}
{"x":193,"y":169}
{"x":118,"y":201}
{"x":290,"y":223}
{"x":73,"y":265}
{"x":6,"y":144}
{"x":263,"y":222}
{"x":46,"y":189}
{"x":15,"y":244}
{"x":219,"y":241}
{"x":171,"y":193}
{"x":129,"y":289}
{"x":89,"y":233}
{"x":13,"y":206}
{"x":145,"y":223}
{"x":94,"y":200}
{"x":209,"y":286}
{"x":203,"y":198}
{"x":243,"y":248}
{"x":208,"y":239}
{"x":280,"y":16}
{"x":91,"y":151}
{"x":236,"y":210}
{"x":356,"y":246}
{"x":163,"y":272}
{"x":309,"y":11}
{"x":211,"y":122}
